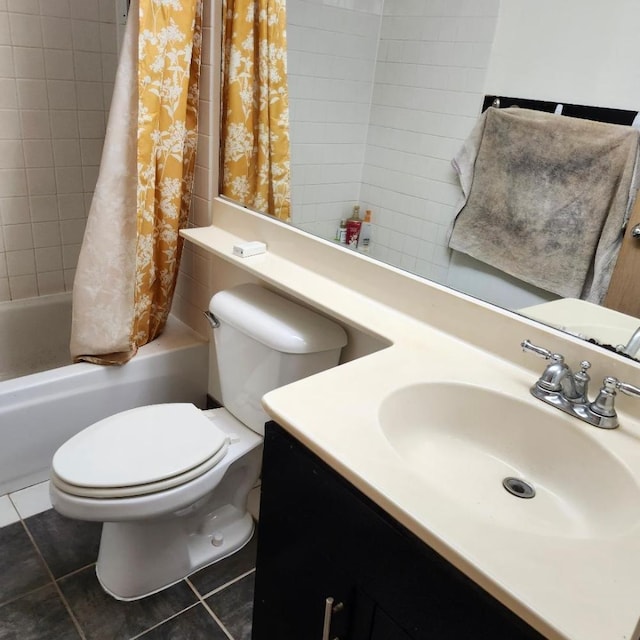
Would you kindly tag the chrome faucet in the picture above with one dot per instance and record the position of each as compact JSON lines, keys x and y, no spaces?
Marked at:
{"x":568,"y":391}
{"x":631,"y":348}
{"x":558,"y":378}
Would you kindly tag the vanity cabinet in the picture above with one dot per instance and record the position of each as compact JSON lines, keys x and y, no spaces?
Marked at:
{"x":320,"y":538}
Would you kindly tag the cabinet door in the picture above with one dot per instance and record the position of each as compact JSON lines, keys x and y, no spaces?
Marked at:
{"x":319,"y":537}
{"x":296,"y":571}
{"x":299,"y":597}
{"x":384,"y":628}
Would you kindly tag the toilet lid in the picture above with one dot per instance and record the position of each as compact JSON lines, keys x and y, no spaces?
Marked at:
{"x":142,"y":446}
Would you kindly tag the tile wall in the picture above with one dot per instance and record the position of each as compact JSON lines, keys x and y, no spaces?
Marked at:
{"x":412,"y":98}
{"x":57,"y":67}
{"x":429,"y":85}
{"x":331,"y":62}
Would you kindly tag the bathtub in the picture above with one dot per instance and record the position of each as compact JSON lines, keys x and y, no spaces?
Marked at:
{"x":34,"y":334}
{"x":40,"y":411}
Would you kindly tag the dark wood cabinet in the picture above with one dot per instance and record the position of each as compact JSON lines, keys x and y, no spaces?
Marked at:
{"x":321,"y":538}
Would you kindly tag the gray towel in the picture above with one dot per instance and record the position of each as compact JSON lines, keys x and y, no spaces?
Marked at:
{"x":546,"y":198}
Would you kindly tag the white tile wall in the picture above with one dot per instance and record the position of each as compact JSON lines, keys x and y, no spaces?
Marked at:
{"x":58,"y":8}
{"x":8,"y":93}
{"x":428,"y":92}
{"x":415,"y":101}
{"x":331,"y":63}
{"x":57,"y":65}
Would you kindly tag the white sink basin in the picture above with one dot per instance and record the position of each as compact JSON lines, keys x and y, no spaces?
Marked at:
{"x":463,"y":440}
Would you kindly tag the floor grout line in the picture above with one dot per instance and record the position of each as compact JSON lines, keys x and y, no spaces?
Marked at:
{"x":15,"y":517}
{"x":75,"y":571}
{"x":15,"y":505}
{"x":155,"y":626}
{"x":209,"y":610}
{"x":228,"y":584}
{"x":22,"y":595}
{"x":76,"y":623}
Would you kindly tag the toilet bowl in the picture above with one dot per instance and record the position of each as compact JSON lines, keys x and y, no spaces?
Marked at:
{"x":170,"y":482}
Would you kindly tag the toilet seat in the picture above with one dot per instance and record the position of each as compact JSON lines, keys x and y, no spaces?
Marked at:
{"x":138,"y":452}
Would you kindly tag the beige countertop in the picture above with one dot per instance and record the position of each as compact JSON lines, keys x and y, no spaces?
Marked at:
{"x":572,"y":582}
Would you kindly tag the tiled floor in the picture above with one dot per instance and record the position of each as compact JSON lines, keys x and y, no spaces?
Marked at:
{"x":48,"y":587}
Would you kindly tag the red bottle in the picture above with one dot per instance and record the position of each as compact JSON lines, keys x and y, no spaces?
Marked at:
{"x":353,"y":227}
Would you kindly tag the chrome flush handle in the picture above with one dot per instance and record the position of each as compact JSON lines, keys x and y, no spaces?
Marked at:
{"x":213,"y":321}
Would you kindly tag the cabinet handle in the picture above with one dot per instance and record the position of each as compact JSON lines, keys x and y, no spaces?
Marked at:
{"x":329,"y":610}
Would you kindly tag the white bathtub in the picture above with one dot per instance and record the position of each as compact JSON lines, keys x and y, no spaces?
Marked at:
{"x":34,"y":334}
{"x":38,"y":412}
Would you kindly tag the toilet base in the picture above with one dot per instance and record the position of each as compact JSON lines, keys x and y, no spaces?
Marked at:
{"x":138,"y":559}
{"x":152,"y":541}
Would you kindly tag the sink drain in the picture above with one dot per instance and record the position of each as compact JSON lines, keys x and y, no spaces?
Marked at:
{"x":519,"y":488}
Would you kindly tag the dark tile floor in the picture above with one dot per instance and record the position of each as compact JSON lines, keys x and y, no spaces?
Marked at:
{"x":49,"y":591}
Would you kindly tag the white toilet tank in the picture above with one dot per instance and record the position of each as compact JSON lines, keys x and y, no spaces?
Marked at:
{"x":264,"y":342}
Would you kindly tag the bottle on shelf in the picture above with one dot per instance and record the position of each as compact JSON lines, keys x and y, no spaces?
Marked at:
{"x":364,"y":237}
{"x":341,"y":232}
{"x":353,"y":227}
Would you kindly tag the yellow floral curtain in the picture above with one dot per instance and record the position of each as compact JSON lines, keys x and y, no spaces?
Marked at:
{"x":130,"y":254}
{"x":169,"y":49}
{"x":255,"y":162}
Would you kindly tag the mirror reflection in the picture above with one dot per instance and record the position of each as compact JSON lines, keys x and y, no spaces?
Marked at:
{"x":382,"y":94}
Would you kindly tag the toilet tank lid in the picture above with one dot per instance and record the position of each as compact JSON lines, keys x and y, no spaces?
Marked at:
{"x":276,"y":322}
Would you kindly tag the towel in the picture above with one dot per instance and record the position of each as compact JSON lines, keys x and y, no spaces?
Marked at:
{"x":546,"y":198}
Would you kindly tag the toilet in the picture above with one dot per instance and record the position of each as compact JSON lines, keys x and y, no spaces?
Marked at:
{"x":169,"y":481}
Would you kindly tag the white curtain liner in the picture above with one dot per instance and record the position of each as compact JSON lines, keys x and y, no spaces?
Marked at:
{"x":103,"y":289}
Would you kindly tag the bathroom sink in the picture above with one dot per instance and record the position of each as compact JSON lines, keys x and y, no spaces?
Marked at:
{"x":463,"y":441}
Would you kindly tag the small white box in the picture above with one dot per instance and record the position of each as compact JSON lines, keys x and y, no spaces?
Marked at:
{"x":246,"y":249}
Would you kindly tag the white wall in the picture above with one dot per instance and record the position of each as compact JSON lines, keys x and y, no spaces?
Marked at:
{"x":572,"y":51}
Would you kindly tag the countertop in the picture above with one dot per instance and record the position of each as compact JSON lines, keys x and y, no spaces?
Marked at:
{"x":575,"y":584}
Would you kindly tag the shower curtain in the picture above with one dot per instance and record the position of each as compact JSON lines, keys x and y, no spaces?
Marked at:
{"x":255,"y":106}
{"x":130,"y":255}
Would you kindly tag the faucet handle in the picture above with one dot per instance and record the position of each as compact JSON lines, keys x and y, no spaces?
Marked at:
{"x":626,"y":388}
{"x":555,"y":373}
{"x":604,"y":405}
{"x":529,"y":347}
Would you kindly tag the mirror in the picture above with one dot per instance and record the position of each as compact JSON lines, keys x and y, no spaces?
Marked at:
{"x":383,"y":93}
